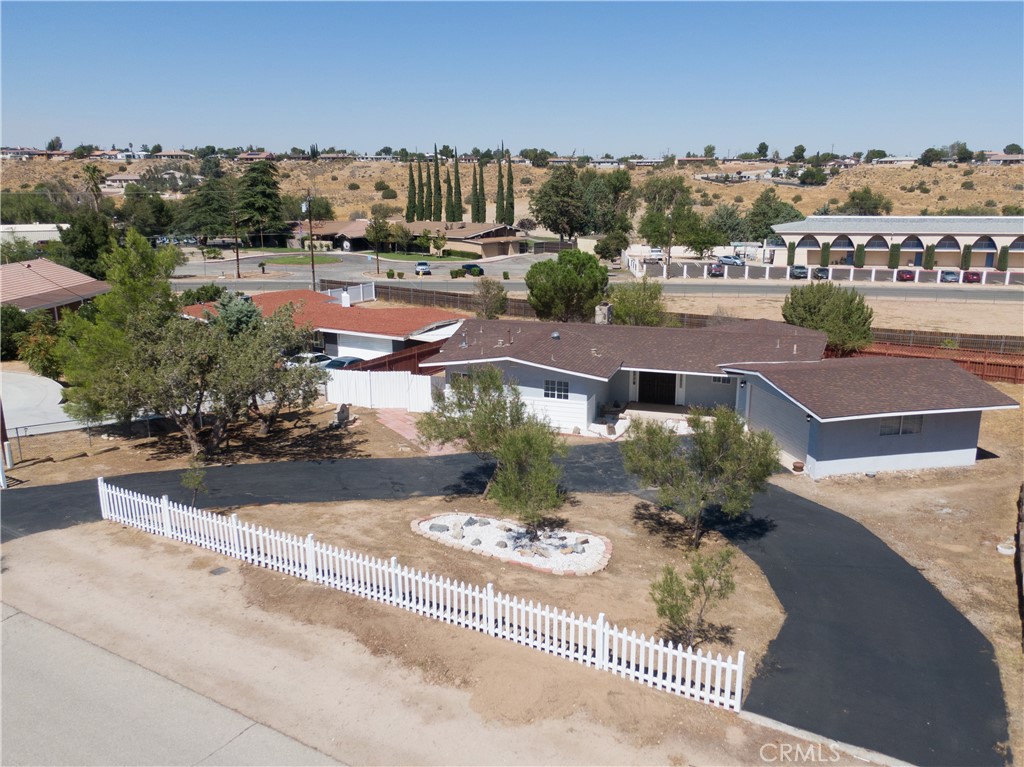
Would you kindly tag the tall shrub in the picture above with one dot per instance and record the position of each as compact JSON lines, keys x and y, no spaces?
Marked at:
{"x":482,"y":192}
{"x":929,"y":257}
{"x":894,"y":255}
{"x":449,"y":202}
{"x":790,"y":253}
{"x":499,"y":211}
{"x":858,"y":256}
{"x":428,"y":198}
{"x":420,"y":200}
{"x":826,"y":254}
{"x":457,"y":189}
{"x":965,"y":258}
{"x":1003,"y":261}
{"x":510,"y":198}
{"x":473,"y":204}
{"x":436,"y":211}
{"x":410,"y":203}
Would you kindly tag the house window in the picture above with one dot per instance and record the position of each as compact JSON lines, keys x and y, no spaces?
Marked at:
{"x":556,"y":389}
{"x":899,"y":425}
{"x":722,"y":380}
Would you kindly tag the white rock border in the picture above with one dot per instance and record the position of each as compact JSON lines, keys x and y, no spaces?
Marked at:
{"x":420,"y":525}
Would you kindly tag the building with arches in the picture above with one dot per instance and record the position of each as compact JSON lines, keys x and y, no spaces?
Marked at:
{"x":949,"y":234}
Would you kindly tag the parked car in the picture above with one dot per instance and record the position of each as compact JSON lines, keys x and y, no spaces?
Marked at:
{"x":308,"y":358}
{"x":340,"y":363}
{"x":657,"y":254}
{"x":972,"y":276}
{"x":904,"y":275}
{"x":730,"y":260}
{"x":716,"y":270}
{"x":948,"y":275}
{"x":422,"y":267}
{"x":820,"y":273}
{"x":474,"y":269}
{"x":798,"y":272}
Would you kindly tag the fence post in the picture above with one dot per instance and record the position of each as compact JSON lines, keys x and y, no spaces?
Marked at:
{"x":236,"y":538}
{"x":492,"y":629}
{"x":310,"y":559}
{"x":104,"y":510}
{"x":395,"y":596}
{"x":739,"y":681}
{"x":165,"y":514}
{"x":601,"y":661}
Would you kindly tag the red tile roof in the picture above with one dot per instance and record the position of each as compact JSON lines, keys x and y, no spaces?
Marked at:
{"x":836,"y":389}
{"x":319,"y":311}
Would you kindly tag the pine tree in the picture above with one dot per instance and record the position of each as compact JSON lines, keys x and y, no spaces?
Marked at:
{"x":436,"y":214}
{"x":449,"y":203}
{"x":473,"y":204}
{"x":428,"y":198}
{"x":510,"y":199}
{"x":410,"y":205}
{"x":459,"y":210}
{"x":499,"y":209}
{"x":419,"y":191}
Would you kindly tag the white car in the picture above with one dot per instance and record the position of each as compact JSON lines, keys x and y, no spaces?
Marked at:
{"x":308,"y":358}
{"x":422,"y":267}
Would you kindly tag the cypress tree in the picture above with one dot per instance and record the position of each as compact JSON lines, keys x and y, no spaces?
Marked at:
{"x":473,"y":206}
{"x":436,"y":214}
{"x":1003,"y":260}
{"x":482,"y":192}
{"x":449,"y":203}
{"x":499,"y":209}
{"x":428,"y":198}
{"x":894,"y":255}
{"x":965,"y":257}
{"x":459,"y":210}
{"x":410,"y":205}
{"x":419,"y":191}
{"x":510,"y":198}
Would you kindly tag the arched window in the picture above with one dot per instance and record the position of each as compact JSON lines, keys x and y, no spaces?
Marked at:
{"x":877,"y":243}
{"x":842,"y":242}
{"x":808,"y":241}
{"x":948,"y":243}
{"x":912,"y":244}
{"x":1017,"y":245}
{"x":984,"y":245}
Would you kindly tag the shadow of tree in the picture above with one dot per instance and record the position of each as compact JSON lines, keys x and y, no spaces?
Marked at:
{"x":710,"y":633}
{"x":668,"y":525}
{"x":471,"y":482}
{"x":745,"y":527}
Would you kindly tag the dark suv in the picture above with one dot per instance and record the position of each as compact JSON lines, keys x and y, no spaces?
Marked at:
{"x":820,"y":273}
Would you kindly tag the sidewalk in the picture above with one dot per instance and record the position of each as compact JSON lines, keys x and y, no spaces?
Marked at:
{"x":404,"y":423}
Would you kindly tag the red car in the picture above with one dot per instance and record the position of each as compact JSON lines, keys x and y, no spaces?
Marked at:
{"x":716,"y":270}
{"x":972,"y":277}
{"x":905,"y":275}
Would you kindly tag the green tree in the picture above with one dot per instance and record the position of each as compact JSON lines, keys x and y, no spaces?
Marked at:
{"x":965,"y":257}
{"x":930,"y":156}
{"x":474,"y":202}
{"x":762,"y":150}
{"x":510,"y":197}
{"x":960,"y":151}
{"x":557,"y":204}
{"x":212,"y":211}
{"x":722,"y":468}
{"x":421,"y":200}
{"x":858,"y":256}
{"x":481,"y":192}
{"x":638,"y":303}
{"x":894,"y":255}
{"x":194,"y":477}
{"x":491,"y":300}
{"x":156,"y":149}
{"x":54,"y":144}
{"x":611,"y":245}
{"x":813,"y":177}
{"x":12,"y":321}
{"x":1003,"y":260}
{"x":698,"y":235}
{"x":839,"y":313}
{"x":684,"y":603}
{"x":428,"y":197}
{"x":457,"y":188}
{"x":147,"y":213}
{"x":93,"y":179}
{"x":790,"y":253}
{"x":436,"y":211}
{"x":766,"y":211}
{"x":709,"y":152}
{"x":527,"y":480}
{"x":728,"y":220}
{"x":1013,"y":149}
{"x":259,"y":199}
{"x":499,"y":207}
{"x":799,"y":153}
{"x":567,"y":289}
{"x":928,"y":261}
{"x":17,"y":249}
{"x":235,"y":314}
{"x":449,"y":200}
{"x":378,"y":231}
{"x":83,"y":242}
{"x":37,"y":344}
{"x":864,"y":202}
{"x":875,"y":154}
{"x":826,"y":254}
{"x":401,"y":237}
{"x":410,"y":204}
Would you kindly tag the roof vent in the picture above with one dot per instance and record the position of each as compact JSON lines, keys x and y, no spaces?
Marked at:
{"x":794,"y":348}
{"x":554,"y":335}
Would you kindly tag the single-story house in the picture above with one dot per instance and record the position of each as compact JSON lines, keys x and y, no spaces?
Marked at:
{"x":352,"y":330}
{"x":896,"y":162}
{"x":347,"y":235}
{"x":31,"y":232}
{"x":121,"y":180}
{"x":254,"y":156}
{"x":949,"y":234}
{"x":42,"y":284}
{"x":484,"y":240}
{"x":869,"y":414}
{"x":835,"y":415}
{"x":999,"y":158}
{"x":174,"y":154}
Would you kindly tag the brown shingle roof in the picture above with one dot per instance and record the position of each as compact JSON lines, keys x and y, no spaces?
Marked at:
{"x":318,"y":311}
{"x":600,"y":350}
{"x":837,"y":389}
{"x":42,"y":284}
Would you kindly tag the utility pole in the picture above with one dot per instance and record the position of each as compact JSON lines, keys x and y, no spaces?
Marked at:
{"x":312,"y":256}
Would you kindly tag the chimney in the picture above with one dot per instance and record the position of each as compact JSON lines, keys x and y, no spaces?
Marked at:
{"x":603,"y":314}
{"x":346,"y":299}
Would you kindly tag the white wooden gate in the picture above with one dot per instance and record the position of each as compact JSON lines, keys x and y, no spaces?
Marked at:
{"x":384,"y":389}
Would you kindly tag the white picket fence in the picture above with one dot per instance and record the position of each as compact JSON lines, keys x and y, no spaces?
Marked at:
{"x":384,"y":389}
{"x":594,"y":643}
{"x":357,"y":294}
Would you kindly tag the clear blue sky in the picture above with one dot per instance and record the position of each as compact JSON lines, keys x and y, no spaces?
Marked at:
{"x":610,"y":77}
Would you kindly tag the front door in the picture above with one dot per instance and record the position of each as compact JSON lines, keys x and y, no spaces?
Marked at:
{"x":657,"y":388}
{"x":990,"y":259}
{"x":919,"y":258}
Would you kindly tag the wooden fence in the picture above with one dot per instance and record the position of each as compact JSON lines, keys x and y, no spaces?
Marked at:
{"x":593,"y":643}
{"x":988,"y":366}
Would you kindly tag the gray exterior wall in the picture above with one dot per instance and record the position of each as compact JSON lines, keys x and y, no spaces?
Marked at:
{"x":845,"y":447}
{"x":701,"y":391}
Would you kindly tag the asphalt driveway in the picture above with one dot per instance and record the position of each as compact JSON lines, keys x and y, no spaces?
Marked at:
{"x":870,"y":653}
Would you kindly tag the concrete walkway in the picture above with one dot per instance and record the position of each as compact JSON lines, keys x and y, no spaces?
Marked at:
{"x":403,"y":422}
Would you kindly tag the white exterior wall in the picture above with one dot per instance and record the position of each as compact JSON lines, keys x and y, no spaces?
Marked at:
{"x":848,"y":447}
{"x":364,"y":347}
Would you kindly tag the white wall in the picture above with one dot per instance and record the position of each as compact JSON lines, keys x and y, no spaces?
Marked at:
{"x":364,"y":347}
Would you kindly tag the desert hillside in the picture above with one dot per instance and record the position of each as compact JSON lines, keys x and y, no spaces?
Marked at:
{"x":910,"y":189}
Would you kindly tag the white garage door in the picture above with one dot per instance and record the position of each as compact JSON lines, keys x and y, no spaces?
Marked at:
{"x":782,"y":418}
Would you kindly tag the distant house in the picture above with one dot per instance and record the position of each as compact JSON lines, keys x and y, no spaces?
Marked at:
{"x":254,"y":156}
{"x":20,"y":153}
{"x":484,"y":240}
{"x":34,"y":233}
{"x":42,"y":284}
{"x":347,"y":235}
{"x":896,"y":162}
{"x":106,"y":154}
{"x":353,"y":330}
{"x":998,"y":158}
{"x":605,"y":162}
{"x":174,"y":154}
{"x":121,"y":180}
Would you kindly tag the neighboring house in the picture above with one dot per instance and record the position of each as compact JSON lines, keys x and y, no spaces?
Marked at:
{"x":33,"y":233}
{"x":605,"y":162}
{"x":869,"y":414}
{"x":42,"y":284}
{"x":121,"y":180}
{"x":836,"y":415}
{"x":896,"y":162}
{"x":483,"y":240}
{"x":347,"y":235}
{"x":949,"y":234}
{"x":174,"y":154}
{"x":106,"y":154}
{"x":998,"y":158}
{"x":20,"y":153}
{"x":353,"y":330}
{"x":254,"y":156}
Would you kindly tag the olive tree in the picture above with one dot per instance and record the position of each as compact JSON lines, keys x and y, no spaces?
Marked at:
{"x":838,"y":312}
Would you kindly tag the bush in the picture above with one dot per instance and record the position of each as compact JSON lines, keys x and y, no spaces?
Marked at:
{"x":738,"y":198}
{"x":353,"y":186}
{"x":965,"y":258}
{"x":826,"y":254}
{"x":967,"y":185}
{"x":388,"y":194}
{"x":504,"y":275}
{"x":942,"y":198}
{"x":797,"y":197}
{"x":525,"y":180}
{"x":969,"y":172}
{"x":122,"y":168}
{"x":380,"y":186}
{"x":334,"y":178}
{"x":928,"y":262}
{"x":1018,"y":187}
{"x":13,"y":320}
{"x":990,"y":203}
{"x":716,"y":196}
{"x":400,"y":275}
{"x":858,"y":256}
{"x":790,"y":253}
{"x":457,"y":273}
{"x":833,"y":201}
{"x":391,"y":274}
{"x":894,"y":255}
{"x":1013,"y":210}
{"x":286,"y":174}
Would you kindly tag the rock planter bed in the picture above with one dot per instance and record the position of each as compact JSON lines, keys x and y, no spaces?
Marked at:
{"x":559,"y":552}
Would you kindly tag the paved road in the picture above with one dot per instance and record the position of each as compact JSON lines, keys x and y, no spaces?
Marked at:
{"x":111,"y":711}
{"x":870,"y":654}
